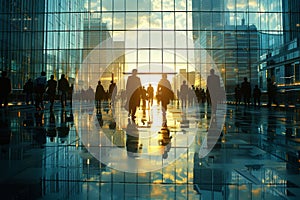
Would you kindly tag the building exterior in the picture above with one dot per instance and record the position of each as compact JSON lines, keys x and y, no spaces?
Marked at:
{"x":237,"y":54}
{"x":22,"y":36}
{"x":281,"y":62}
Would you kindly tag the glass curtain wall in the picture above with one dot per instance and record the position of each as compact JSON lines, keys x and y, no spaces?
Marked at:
{"x":180,"y":37}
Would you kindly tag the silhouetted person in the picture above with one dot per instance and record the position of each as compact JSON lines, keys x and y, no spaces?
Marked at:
{"x":144,"y":97}
{"x":256,"y":96}
{"x":90,"y":94}
{"x":28,"y":90}
{"x":237,"y":94}
{"x":112,"y":92}
{"x":51,"y":90}
{"x":191,"y":96}
{"x":63,"y":88}
{"x":5,"y":89}
{"x":272,"y":90}
{"x":184,"y":90}
{"x":246,"y":91}
{"x":40,"y":87}
{"x":133,"y":91}
{"x":213,"y":85}
{"x":99,"y":95}
{"x":150,"y":92}
{"x":165,"y":92}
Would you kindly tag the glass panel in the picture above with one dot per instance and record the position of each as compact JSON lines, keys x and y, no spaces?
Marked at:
{"x":143,"y":20}
{"x":131,"y":20}
{"x":168,"y":20}
{"x":131,"y":5}
{"x":119,"y":22}
{"x":180,"y":5}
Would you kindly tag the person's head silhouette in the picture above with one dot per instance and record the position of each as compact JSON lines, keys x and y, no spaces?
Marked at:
{"x":134,"y":72}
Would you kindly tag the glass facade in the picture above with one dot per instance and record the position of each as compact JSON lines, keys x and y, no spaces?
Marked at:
{"x":91,"y":40}
{"x":243,"y":38}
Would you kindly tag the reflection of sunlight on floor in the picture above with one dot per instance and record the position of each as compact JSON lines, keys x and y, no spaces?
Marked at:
{"x":150,"y":145}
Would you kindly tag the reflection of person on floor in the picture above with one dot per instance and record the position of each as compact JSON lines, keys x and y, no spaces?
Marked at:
{"x":63,"y":129}
{"x":133,"y":92}
{"x":164,"y":139}
{"x":132,"y":138}
{"x":51,"y":130}
{"x":213,"y":85}
{"x":39,"y":132}
{"x":99,"y":96}
{"x":165,"y":93}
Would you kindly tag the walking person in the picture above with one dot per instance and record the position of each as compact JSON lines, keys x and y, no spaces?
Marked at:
{"x":63,"y":88}
{"x":39,"y":88}
{"x":112,"y":92}
{"x":184,"y":90}
{"x":246,"y":91}
{"x":51,"y":90}
{"x":150,"y":92}
{"x":28,"y":90}
{"x":144,"y":97}
{"x":99,"y":96}
{"x":213,"y":90}
{"x":237,"y":94}
{"x":166,"y":94}
{"x":133,"y":92}
{"x":5,"y":89}
{"x":256,"y":96}
{"x":272,"y":90}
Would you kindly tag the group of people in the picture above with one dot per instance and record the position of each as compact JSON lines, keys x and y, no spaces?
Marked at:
{"x":245,"y":92}
{"x":135,"y":92}
{"x":101,"y":94}
{"x":40,"y":86}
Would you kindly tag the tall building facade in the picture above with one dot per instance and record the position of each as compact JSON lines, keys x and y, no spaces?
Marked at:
{"x":22,"y":39}
{"x":231,"y":37}
{"x":281,"y":62}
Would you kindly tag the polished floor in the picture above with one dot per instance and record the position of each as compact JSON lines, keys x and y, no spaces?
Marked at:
{"x":56,"y":155}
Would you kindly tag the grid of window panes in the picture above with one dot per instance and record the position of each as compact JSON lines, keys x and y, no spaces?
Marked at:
{"x":236,"y":35}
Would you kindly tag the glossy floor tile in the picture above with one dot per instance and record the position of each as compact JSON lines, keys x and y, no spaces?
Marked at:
{"x":55,"y":155}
